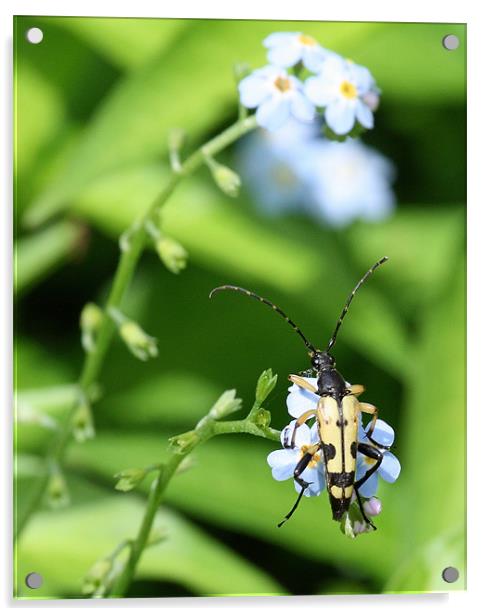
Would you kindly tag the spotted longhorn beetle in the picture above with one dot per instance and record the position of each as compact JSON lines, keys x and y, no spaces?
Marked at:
{"x":337,"y":414}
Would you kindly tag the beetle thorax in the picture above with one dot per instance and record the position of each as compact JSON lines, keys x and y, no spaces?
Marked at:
{"x":331,"y":383}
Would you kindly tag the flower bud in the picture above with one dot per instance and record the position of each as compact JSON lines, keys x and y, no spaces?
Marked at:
{"x":266,"y":383}
{"x":83,"y":428}
{"x":138,"y":342}
{"x":176,"y":139}
{"x":156,"y":536}
{"x":90,"y":320}
{"x":226,"y":179}
{"x":94,"y":580}
{"x":226,"y":404}
{"x":31,"y":415}
{"x":372,"y":100}
{"x":172,"y":254}
{"x":360,"y":527}
{"x":262,"y":419}
{"x":129,"y":479}
{"x":353,"y":523}
{"x":372,"y":506}
{"x":57,"y":491}
{"x":183,"y":443}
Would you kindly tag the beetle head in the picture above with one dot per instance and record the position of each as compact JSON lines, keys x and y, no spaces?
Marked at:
{"x":321,"y":360}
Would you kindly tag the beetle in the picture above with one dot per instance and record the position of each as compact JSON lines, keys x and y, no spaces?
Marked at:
{"x":337,"y":414}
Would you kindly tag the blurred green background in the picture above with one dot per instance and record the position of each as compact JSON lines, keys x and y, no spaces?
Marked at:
{"x":93,"y":105}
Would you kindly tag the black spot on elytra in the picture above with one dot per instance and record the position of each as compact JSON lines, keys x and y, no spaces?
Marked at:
{"x":329,"y":451}
{"x":353,"y":449}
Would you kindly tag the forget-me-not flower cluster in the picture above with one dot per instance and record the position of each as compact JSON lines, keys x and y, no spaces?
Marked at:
{"x":303,"y":80}
{"x":283,"y":461}
{"x":297,"y":169}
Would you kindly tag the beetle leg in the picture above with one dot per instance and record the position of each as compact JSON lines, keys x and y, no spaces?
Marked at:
{"x":299,"y":469}
{"x":356,"y":390}
{"x":365,"y":407}
{"x":301,"y":382}
{"x":371,"y":452}
{"x":299,"y":422}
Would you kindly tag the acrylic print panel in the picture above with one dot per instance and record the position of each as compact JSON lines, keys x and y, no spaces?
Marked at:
{"x":156,"y":160}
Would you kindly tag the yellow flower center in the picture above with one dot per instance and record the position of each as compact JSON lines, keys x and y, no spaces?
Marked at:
{"x":369,"y":461}
{"x":348,"y":89}
{"x":314,"y":460}
{"x":283,"y":84}
{"x":283,"y":175}
{"x":304,"y":39}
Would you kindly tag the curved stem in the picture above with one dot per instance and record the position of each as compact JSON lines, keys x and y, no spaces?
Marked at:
{"x":206,"y":429}
{"x":123,"y":276}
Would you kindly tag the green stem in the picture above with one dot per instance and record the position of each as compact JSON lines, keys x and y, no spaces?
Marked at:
{"x":123,"y":276}
{"x":206,"y":429}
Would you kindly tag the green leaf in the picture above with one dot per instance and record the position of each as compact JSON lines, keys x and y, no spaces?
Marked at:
{"x":169,"y":398}
{"x":128,"y":43}
{"x":230,"y":471}
{"x":36,"y":125}
{"x":421,"y":570}
{"x":410,"y":63}
{"x":39,"y":254}
{"x":63,"y":545}
{"x":423,"y":245}
{"x":37,"y":367}
{"x":433,"y":460}
{"x":215,"y":233}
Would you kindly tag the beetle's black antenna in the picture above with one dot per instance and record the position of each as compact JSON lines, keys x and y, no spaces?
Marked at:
{"x":229,"y":287}
{"x":331,"y":344}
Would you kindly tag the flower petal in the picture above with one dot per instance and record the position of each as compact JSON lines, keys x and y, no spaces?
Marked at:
{"x":364,"y":115}
{"x":383,"y":433}
{"x":300,"y":400}
{"x":302,"y":108}
{"x":340,"y":116}
{"x":315,"y":478}
{"x":280,"y":38}
{"x":319,"y":91}
{"x":286,"y":55}
{"x":361,"y":77}
{"x":254,"y":90}
{"x":314,"y":57}
{"x":273,"y":112}
{"x":282,"y":462}
{"x":369,"y":488}
{"x":390,"y":467}
{"x":303,"y":435}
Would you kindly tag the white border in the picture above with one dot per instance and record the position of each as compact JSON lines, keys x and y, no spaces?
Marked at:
{"x":353,"y":10}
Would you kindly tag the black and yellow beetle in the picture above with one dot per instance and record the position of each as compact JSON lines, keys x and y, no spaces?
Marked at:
{"x":337,"y":414}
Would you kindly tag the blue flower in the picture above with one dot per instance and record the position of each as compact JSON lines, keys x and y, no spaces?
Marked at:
{"x":267,"y":163}
{"x":347,"y":181}
{"x":390,"y":467}
{"x":286,"y":49}
{"x":277,"y":97}
{"x":347,"y":91}
{"x":283,"y":461}
{"x":294,"y":168}
{"x":300,"y":400}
